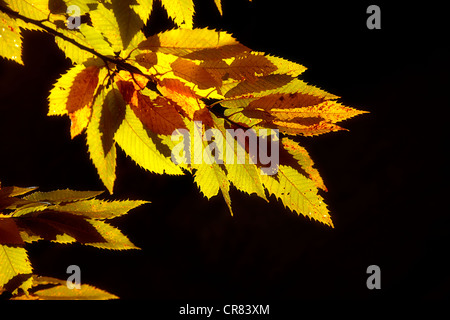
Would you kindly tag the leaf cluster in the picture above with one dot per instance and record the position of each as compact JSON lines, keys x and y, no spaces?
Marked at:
{"x":130,"y":91}
{"x":60,"y":216}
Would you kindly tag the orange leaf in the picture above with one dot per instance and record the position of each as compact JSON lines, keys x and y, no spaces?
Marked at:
{"x":285,"y":101}
{"x":127,"y":90}
{"x":161,"y":119}
{"x":82,"y":91}
{"x":147,"y":60}
{"x":191,"y":72}
{"x":9,"y":233}
{"x":248,"y":66}
{"x":270,"y":82}
{"x":80,"y":119}
{"x":182,"y":95}
{"x":305,"y":128}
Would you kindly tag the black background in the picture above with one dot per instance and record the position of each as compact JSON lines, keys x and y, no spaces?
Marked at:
{"x":387,"y":177}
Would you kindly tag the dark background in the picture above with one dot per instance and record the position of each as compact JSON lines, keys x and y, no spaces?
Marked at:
{"x":387,"y":177}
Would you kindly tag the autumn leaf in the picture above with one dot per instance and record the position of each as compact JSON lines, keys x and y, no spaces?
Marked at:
{"x":158,"y":115}
{"x":196,"y":44}
{"x":61,"y":216}
{"x":191,"y":72}
{"x":181,"y":11}
{"x":140,"y":93}
{"x":14,"y":262}
{"x":48,"y":288}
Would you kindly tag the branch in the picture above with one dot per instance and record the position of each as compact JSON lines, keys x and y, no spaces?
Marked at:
{"x":55,"y":33}
{"x":120,"y":63}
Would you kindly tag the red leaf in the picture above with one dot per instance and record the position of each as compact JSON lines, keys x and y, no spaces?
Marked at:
{"x":9,"y":233}
{"x":159,"y":115}
{"x":47,"y":224}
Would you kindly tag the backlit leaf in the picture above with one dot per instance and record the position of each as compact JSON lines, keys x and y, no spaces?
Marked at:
{"x":13,"y":262}
{"x":298,"y":193}
{"x":191,"y":72}
{"x":10,"y":38}
{"x":65,"y":195}
{"x":159,"y":115}
{"x":114,"y":239}
{"x":34,"y":9}
{"x":98,"y":209}
{"x":48,"y":224}
{"x":101,"y":145}
{"x":9,"y":233}
{"x":181,"y":11}
{"x":181,"y":95}
{"x":61,"y":292}
{"x":143,"y":8}
{"x":197,"y":44}
{"x":134,"y":139}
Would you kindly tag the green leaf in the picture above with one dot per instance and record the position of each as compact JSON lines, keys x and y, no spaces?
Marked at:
{"x":134,"y":139}
{"x":13,"y":261}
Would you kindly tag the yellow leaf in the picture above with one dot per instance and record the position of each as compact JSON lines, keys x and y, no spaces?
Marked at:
{"x":13,"y":261}
{"x":302,"y":159}
{"x":100,"y":141}
{"x":219,"y":6}
{"x":10,"y":38}
{"x":196,"y":44}
{"x":62,"y":292}
{"x":181,"y":11}
{"x":134,"y":139}
{"x":298,"y":193}
{"x":115,"y":240}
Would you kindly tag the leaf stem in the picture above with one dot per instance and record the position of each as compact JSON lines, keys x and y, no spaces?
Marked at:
{"x":55,"y":33}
